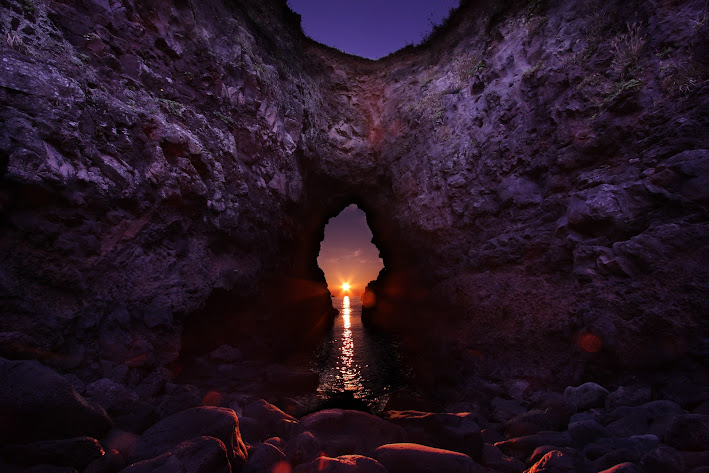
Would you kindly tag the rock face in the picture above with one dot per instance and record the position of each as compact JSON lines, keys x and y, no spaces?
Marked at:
{"x":535,"y":179}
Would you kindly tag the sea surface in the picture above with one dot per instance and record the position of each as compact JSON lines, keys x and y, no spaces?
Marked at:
{"x":355,"y":361}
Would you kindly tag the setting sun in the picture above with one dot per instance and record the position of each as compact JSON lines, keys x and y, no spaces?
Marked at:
{"x":345,"y":286}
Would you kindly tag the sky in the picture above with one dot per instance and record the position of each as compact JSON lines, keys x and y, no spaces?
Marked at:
{"x":347,"y":253}
{"x":370,"y":28}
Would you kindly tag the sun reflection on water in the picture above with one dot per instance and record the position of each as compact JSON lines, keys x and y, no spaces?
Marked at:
{"x":348,"y":369}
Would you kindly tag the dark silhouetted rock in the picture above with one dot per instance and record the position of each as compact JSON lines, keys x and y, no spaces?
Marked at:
{"x":663,"y":459}
{"x":585,"y":432}
{"x":350,"y":432}
{"x":522,"y":447}
{"x":263,"y":459}
{"x":505,"y":409}
{"x":226,"y":354}
{"x":111,"y":462}
{"x":173,"y":403}
{"x":628,"y":396}
{"x":215,"y":422}
{"x":127,"y":411}
{"x":611,"y":451}
{"x":492,"y":457}
{"x":38,"y":404}
{"x":77,"y":452}
{"x":272,"y":421}
{"x":199,"y":455}
{"x":556,"y":461}
{"x":456,"y":432}
{"x":688,"y":432}
{"x":342,"y":464}
{"x":586,"y":396}
{"x":304,"y":448}
{"x":535,"y":421}
{"x":414,"y":458}
{"x":623,"y":468}
{"x":651,"y":418}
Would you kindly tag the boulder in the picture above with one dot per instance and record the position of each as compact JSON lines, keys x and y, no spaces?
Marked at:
{"x":38,"y":404}
{"x":273,"y":421}
{"x":457,"y":432}
{"x":688,"y":432}
{"x":124,"y":406}
{"x":492,"y":457}
{"x":505,"y":409}
{"x":198,"y":455}
{"x":587,"y":431}
{"x":414,"y":458}
{"x":77,"y":452}
{"x":556,"y":461}
{"x":303,"y":449}
{"x":226,"y":354}
{"x":342,"y":464}
{"x":610,"y":451}
{"x":586,"y":396}
{"x":521,"y":447}
{"x":345,"y":432}
{"x":628,"y":396}
{"x":111,"y":462}
{"x":623,"y":468}
{"x":263,"y":459}
{"x":651,"y":418}
{"x":535,"y":421}
{"x":216,"y":422}
{"x":663,"y":459}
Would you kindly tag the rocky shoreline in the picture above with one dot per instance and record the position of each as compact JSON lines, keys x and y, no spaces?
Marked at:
{"x":54,"y":424}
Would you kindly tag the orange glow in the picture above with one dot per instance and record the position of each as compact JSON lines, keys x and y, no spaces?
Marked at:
{"x":369,"y":300}
{"x":212,"y":398}
{"x":590,"y":343}
{"x":346,"y":286}
{"x":281,"y":467}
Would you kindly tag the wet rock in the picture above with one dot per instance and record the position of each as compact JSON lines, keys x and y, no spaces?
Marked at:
{"x":77,"y":452}
{"x":122,"y":441}
{"x":272,"y":421}
{"x":413,"y":458}
{"x":651,"y":418}
{"x":216,"y":422}
{"x":203,"y":454}
{"x":38,"y":404}
{"x":263,"y":459}
{"x":492,"y":457}
{"x":688,"y":432}
{"x":663,"y":459}
{"x":586,"y":396}
{"x":343,"y":432}
{"x":342,"y":464}
{"x":456,"y":432}
{"x":491,"y":436}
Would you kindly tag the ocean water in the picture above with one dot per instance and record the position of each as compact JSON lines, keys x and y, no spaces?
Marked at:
{"x":353,"y":360}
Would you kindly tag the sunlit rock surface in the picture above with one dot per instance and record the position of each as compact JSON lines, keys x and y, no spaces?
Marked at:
{"x":535,"y":179}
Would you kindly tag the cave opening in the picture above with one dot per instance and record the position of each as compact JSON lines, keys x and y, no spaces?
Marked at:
{"x":358,"y":366}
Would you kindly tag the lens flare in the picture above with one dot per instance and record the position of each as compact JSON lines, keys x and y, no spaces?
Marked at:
{"x":346,"y":286}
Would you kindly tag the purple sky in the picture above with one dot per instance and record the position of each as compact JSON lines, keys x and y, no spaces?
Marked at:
{"x":347,"y":254}
{"x":370,"y":28}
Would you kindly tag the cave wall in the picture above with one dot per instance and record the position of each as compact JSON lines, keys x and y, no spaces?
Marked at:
{"x":535,"y":178}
